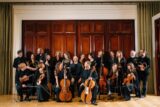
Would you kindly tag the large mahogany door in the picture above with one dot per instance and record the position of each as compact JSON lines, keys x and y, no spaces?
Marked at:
{"x":78,"y":36}
{"x":157,"y":38}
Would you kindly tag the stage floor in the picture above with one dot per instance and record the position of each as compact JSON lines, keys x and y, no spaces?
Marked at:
{"x":149,"y":101}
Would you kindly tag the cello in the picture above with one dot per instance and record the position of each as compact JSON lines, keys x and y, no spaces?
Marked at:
{"x":65,"y":94}
{"x":86,"y":94}
{"x":102,"y":79}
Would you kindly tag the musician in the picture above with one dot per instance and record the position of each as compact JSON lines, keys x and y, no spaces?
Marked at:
{"x":144,"y":70}
{"x":112,"y":79}
{"x":86,"y":75}
{"x":132,"y":59}
{"x":23,"y":81}
{"x":40,"y":55}
{"x":121,"y":62}
{"x":41,"y":80}
{"x":130,"y":82}
{"x":92,"y":60}
{"x":19,"y":59}
{"x":99,"y":62}
{"x":66,"y":61}
{"x":112,"y":58}
{"x":59,"y":75}
{"x":57,"y":58}
{"x":76,"y":70}
{"x":32,"y":63}
{"x":82,"y":59}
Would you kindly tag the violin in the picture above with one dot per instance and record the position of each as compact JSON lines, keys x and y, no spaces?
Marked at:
{"x":65,"y":94}
{"x":130,"y":77}
{"x":41,"y":77}
{"x":86,"y":94}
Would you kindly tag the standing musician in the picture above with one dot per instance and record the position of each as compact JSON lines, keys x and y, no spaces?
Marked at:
{"x":143,"y":70}
{"x":112,"y":79}
{"x":42,"y":88}
{"x":133,"y":59}
{"x":76,"y":70}
{"x":49,"y":71}
{"x":32,"y":63}
{"x":82,"y":59}
{"x":23,"y":81}
{"x":40,"y":55}
{"x":57,"y":58}
{"x":60,"y":70}
{"x":130,"y":82}
{"x":66,"y":61}
{"x":89,"y":74}
{"x":121,"y":62}
{"x":19,"y":59}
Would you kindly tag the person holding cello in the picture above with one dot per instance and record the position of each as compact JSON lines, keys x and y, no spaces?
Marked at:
{"x":63,"y":81}
{"x":88,"y":87}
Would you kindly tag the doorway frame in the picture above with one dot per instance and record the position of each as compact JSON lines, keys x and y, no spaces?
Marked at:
{"x":154,"y":18}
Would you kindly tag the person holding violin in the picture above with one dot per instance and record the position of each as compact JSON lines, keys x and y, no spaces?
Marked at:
{"x":112,"y":79}
{"x":41,"y":81}
{"x":89,"y":77}
{"x":143,"y":70}
{"x":23,"y":81}
{"x":129,"y":81}
{"x":63,"y":81}
{"x":82,"y":59}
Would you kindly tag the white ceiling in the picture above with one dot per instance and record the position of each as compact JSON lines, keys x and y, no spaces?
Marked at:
{"x":74,"y":0}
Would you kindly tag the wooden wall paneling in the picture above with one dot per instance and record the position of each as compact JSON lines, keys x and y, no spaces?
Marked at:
{"x":43,"y":34}
{"x":28,"y":36}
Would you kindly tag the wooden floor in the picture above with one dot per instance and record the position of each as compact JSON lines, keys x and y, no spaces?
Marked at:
{"x":149,"y":101}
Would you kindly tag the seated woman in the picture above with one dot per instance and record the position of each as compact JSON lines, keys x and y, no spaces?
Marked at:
{"x":60,"y":69}
{"x":129,"y":82}
{"x":42,"y":88}
{"x":112,"y":79}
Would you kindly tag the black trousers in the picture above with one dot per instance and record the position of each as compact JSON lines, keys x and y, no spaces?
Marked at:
{"x":126,"y":91}
{"x":42,"y":93}
{"x":21,"y":90}
{"x":143,"y":77}
{"x":94,"y":91}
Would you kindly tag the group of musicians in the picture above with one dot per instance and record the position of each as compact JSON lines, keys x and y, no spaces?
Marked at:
{"x":61,"y":77}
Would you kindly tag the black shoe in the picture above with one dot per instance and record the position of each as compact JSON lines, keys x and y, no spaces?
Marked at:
{"x":27,"y":99}
{"x":80,"y":100}
{"x":94,"y":103}
{"x":21,"y":99}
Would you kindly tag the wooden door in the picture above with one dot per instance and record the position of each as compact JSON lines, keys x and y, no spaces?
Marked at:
{"x":63,"y":36}
{"x":90,"y":36}
{"x":157,"y":42}
{"x":121,"y":36}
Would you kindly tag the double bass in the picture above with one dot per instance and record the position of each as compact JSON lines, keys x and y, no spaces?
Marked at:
{"x":86,"y":94}
{"x":65,"y":94}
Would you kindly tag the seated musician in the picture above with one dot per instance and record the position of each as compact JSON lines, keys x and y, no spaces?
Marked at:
{"x":90,"y":74}
{"x":76,"y":70}
{"x":129,"y":81}
{"x":23,"y":81}
{"x":112,"y":79}
{"x":59,"y":75}
{"x":42,"y":88}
